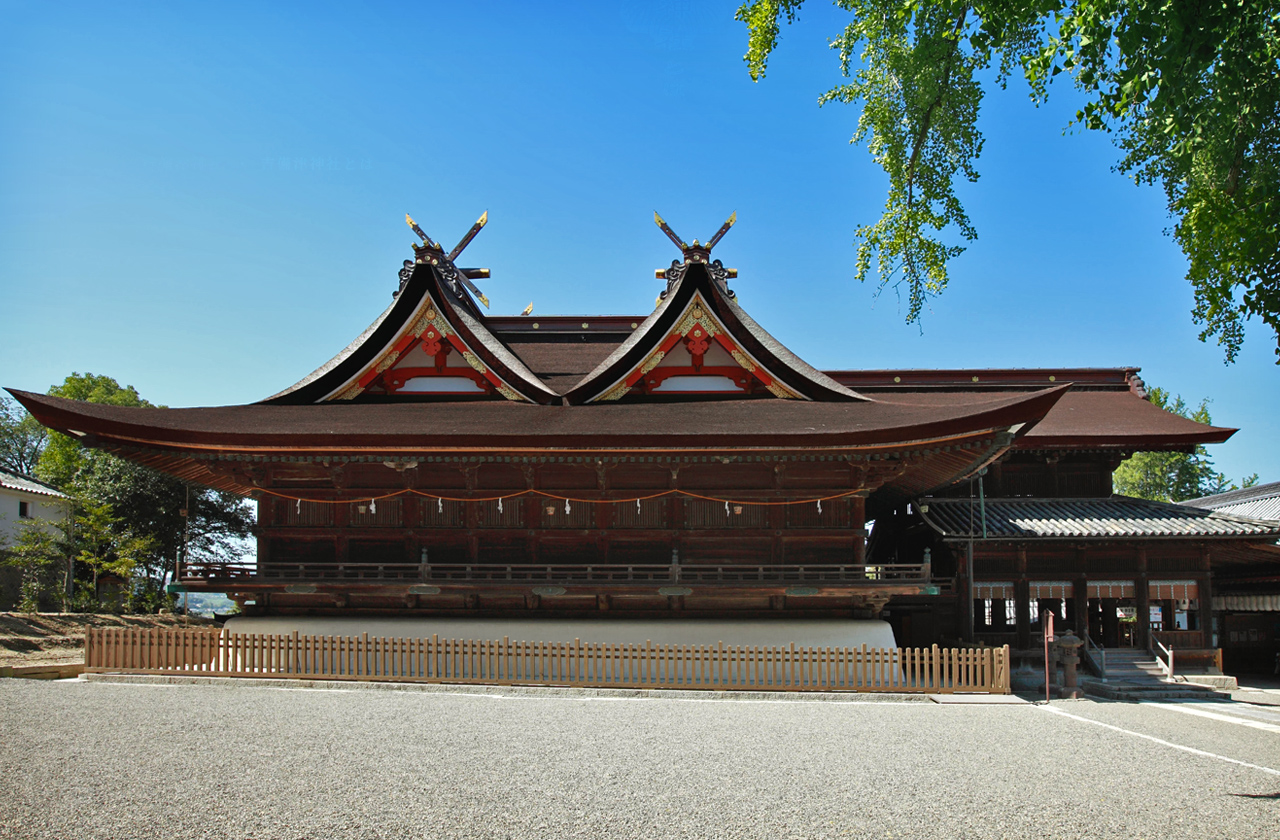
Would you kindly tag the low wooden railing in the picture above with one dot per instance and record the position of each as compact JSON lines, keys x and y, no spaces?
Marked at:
{"x":210,"y":652}
{"x":1181,"y":638}
{"x":1166,"y":664}
{"x":562,"y":573}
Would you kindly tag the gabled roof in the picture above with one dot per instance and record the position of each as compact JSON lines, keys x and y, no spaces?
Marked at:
{"x":697,"y":311}
{"x":1261,"y":501}
{"x":26,"y":484}
{"x":429,"y":311}
{"x":1117,"y":517}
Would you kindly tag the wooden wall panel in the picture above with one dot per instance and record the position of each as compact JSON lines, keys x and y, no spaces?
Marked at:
{"x":500,"y":477}
{"x":511,"y":515}
{"x":818,"y":550}
{"x":726,"y":477}
{"x":442,"y":513}
{"x":835,"y":513}
{"x":381,"y":552}
{"x":650,"y":513}
{"x":815,"y":475}
{"x":639,"y":477}
{"x":554,"y":550}
{"x":704,"y":514}
{"x":502,"y":550}
{"x":387,"y":515}
{"x":438,"y":476}
{"x":699,"y":549}
{"x":567,"y":477}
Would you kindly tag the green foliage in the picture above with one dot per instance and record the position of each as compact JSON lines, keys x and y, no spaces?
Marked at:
{"x":22,"y":439}
{"x":64,"y":459}
{"x":106,"y":544}
{"x":129,"y":518}
{"x":1190,"y":91}
{"x":38,"y":553}
{"x":1174,"y":476}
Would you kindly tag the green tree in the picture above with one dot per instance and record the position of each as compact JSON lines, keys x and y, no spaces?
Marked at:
{"x":1174,"y":476}
{"x":131,"y":518}
{"x":38,"y":553}
{"x":22,"y":439}
{"x":1190,"y":91}
{"x":106,"y":544}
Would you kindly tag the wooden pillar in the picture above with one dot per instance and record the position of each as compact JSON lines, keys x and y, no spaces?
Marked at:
{"x":1022,"y":601}
{"x":1168,"y":614}
{"x":1110,"y":623}
{"x":1204,"y":598}
{"x":858,"y":522}
{"x":999,"y":615}
{"x":264,"y":548}
{"x":1095,"y":620}
{"x":1142,"y":597}
{"x":964,"y":585}
{"x":1022,"y":613}
{"x":1080,"y":608}
{"x":471,"y":515}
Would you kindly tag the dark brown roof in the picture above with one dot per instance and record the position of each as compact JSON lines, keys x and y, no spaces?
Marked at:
{"x":446,"y":425}
{"x":779,"y":362}
{"x":562,"y":364}
{"x":1115,"y":420}
{"x":425,"y":289}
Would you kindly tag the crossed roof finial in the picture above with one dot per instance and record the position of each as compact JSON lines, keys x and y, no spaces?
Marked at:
{"x":432,"y":253}
{"x":696,"y":253}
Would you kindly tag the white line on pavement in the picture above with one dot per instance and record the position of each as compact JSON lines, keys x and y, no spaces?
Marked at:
{"x":1192,"y":710}
{"x":1161,"y":741}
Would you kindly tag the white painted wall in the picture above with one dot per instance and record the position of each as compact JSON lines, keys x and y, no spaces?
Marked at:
{"x":51,"y":509}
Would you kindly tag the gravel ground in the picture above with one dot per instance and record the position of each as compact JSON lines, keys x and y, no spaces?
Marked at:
{"x":90,"y":759}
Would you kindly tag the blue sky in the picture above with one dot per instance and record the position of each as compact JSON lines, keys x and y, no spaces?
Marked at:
{"x":207,"y":201}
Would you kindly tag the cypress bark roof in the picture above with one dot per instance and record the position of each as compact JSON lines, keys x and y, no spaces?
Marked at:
{"x":504,"y":424}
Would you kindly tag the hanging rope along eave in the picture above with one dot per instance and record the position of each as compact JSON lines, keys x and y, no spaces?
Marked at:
{"x":440,"y":500}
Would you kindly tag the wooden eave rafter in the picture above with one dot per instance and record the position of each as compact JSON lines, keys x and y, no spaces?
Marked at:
{"x":903,"y":469}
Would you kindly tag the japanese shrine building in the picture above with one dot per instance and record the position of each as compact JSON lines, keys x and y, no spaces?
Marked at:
{"x":684,"y":463}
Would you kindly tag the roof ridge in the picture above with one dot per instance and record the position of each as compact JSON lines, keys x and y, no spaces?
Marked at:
{"x":42,"y":487}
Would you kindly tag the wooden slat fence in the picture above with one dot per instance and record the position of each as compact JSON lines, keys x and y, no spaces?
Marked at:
{"x":211,"y":652}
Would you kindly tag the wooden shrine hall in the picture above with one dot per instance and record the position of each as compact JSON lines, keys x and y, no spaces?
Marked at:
{"x":681,"y":463}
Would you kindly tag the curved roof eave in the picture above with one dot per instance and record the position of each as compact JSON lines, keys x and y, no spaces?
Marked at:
{"x":497,"y":425}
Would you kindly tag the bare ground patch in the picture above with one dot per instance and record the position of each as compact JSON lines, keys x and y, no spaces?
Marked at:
{"x":58,"y":638}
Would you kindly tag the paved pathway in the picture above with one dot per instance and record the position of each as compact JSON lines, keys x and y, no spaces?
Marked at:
{"x":93,"y":760}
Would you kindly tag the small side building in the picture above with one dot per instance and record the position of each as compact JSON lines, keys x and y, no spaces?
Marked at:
{"x":25,"y":500}
{"x":1246,"y":601}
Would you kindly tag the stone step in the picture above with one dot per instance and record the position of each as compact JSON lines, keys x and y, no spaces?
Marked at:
{"x":1137,"y":693}
{"x":1163,"y":691}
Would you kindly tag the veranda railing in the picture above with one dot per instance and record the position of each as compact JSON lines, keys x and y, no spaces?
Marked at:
{"x":211,"y":652}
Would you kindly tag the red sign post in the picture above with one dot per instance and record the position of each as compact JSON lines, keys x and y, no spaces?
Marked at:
{"x":1046,"y":621}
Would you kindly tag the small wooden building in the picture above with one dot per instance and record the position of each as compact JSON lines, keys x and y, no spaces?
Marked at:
{"x":683,"y":462}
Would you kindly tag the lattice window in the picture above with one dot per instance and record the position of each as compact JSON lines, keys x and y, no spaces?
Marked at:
{"x":834,"y":514}
{"x":652,"y":513}
{"x":700,"y":513}
{"x":442,"y":513}
{"x":552,"y":514}
{"x":301,"y":514}
{"x":386,"y":513}
{"x":510,"y":516}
